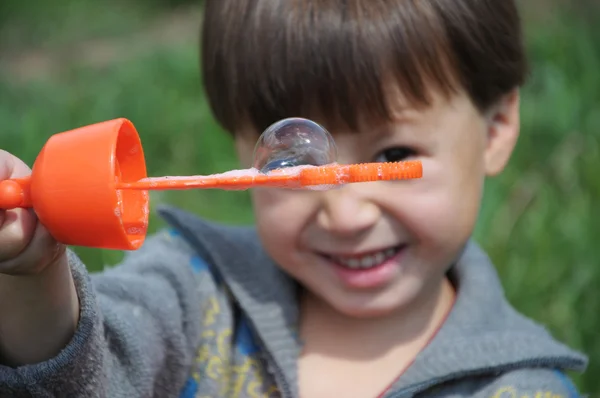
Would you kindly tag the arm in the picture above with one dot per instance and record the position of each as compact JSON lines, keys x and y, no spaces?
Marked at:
{"x":136,"y":335}
{"x":39,"y":313}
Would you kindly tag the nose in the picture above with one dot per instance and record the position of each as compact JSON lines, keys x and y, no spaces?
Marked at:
{"x":345,"y":211}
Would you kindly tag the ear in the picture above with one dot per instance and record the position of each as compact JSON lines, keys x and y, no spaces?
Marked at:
{"x":503,"y":132}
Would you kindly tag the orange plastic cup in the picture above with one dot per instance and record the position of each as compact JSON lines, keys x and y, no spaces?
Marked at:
{"x":73,"y":187}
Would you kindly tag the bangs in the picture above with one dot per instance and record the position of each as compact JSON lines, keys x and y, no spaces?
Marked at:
{"x":333,"y":61}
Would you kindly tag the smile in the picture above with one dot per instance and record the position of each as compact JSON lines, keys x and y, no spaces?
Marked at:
{"x":366,"y":261}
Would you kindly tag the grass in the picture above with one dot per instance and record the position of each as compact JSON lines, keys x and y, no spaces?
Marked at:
{"x":539,"y":219}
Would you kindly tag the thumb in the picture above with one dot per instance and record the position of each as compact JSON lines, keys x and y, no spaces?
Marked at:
{"x":12,"y":167}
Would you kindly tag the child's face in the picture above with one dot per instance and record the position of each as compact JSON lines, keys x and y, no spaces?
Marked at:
{"x":371,"y":248}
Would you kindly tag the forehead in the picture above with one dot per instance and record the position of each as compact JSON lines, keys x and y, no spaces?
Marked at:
{"x":407,"y":123}
{"x":398,"y":106}
{"x":403,"y":113}
{"x":448,"y":120}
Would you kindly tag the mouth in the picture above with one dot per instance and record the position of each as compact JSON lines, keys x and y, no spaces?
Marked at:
{"x":365,"y":261}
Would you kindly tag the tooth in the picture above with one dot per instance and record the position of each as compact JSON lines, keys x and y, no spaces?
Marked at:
{"x":367,"y":262}
{"x":354,"y":263}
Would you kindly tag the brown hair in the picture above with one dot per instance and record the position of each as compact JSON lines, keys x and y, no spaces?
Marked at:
{"x":265,"y":60}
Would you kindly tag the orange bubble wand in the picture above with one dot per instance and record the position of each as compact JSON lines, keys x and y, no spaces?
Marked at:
{"x":89,"y":186}
{"x":294,"y":177}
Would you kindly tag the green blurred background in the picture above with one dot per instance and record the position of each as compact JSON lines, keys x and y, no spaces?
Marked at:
{"x":69,"y":63}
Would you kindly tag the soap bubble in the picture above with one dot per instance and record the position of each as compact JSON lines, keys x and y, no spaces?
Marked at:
{"x":294,"y":142}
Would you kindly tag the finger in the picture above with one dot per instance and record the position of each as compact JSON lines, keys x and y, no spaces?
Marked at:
{"x":41,"y":251}
{"x":16,"y":230}
{"x":17,"y":226}
{"x":11,"y":167}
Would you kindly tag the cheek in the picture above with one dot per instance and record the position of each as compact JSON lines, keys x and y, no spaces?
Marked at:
{"x":440,"y":210}
{"x":281,"y":216}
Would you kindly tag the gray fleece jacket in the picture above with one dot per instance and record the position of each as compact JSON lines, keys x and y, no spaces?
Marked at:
{"x":202,"y":311}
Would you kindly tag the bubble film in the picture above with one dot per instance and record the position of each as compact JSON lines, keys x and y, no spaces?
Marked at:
{"x":294,"y":142}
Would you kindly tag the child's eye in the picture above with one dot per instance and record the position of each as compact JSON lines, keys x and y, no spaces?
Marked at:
{"x":396,"y":154}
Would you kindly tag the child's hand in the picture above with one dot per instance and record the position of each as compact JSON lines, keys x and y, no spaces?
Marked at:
{"x":26,"y":247}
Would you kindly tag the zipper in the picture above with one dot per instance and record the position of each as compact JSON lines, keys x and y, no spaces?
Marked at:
{"x":410,"y":391}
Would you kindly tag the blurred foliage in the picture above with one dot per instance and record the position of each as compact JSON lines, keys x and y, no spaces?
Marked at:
{"x":539,"y":220}
{"x":41,"y":23}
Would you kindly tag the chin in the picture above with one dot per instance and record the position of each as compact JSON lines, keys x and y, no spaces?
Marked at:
{"x":368,"y":309}
{"x":368,"y":313}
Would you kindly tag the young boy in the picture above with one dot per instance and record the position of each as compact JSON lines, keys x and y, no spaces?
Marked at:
{"x":370,"y":290}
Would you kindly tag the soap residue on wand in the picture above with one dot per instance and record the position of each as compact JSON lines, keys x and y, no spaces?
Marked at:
{"x":232,"y":179}
{"x":241,"y":179}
